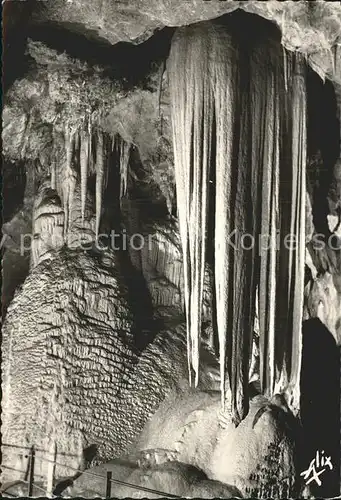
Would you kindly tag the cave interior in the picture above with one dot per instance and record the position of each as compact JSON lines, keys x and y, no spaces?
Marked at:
{"x":127,"y":312}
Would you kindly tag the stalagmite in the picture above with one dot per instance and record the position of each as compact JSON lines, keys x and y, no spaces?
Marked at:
{"x":99,"y":178}
{"x":84,"y":167}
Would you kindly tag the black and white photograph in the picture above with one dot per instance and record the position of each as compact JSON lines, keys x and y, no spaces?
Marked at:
{"x":171,"y":249}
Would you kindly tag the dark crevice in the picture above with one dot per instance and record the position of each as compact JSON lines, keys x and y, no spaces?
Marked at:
{"x":245,"y":27}
{"x":14,"y":178}
{"x":138,"y":294}
{"x":14,"y":265}
{"x":320,"y":404}
{"x":15,"y":64}
{"x":323,"y":142}
{"x":123,"y":61}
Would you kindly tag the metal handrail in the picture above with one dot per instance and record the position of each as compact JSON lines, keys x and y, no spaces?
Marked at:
{"x":108,"y":478}
{"x":115,"y":481}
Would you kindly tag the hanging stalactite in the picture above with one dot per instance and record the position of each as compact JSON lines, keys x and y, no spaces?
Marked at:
{"x":77,"y":142}
{"x":69,"y":180}
{"x":204,"y":81}
{"x":298,"y":111}
{"x":279,"y":103}
{"x":225,"y":81}
{"x":56,"y":166}
{"x":99,"y":178}
{"x":192,"y":115}
{"x":265,"y":81}
{"x":84,"y":167}
{"x":124,"y":166}
{"x":53,"y":175}
{"x":248,"y":126}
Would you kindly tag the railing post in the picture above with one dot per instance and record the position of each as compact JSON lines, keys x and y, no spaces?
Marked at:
{"x":31,"y":472}
{"x":108,"y":484}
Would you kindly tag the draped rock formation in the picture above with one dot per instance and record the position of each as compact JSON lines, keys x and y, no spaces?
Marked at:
{"x":247,"y":132}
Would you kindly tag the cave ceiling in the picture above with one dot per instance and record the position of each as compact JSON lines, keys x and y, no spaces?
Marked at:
{"x":312,"y":28}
